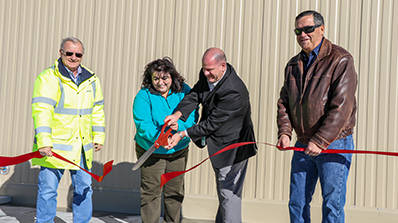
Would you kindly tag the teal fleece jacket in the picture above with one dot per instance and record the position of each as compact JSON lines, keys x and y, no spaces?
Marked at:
{"x":149,"y":111}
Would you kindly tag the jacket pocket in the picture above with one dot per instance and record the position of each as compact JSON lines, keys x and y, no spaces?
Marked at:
{"x":233,"y":137}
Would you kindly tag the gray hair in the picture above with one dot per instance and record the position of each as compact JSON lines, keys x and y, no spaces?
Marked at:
{"x":318,"y":18}
{"x":71,"y":39}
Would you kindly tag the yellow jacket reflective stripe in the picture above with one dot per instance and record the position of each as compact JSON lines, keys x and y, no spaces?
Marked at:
{"x":67,"y":117}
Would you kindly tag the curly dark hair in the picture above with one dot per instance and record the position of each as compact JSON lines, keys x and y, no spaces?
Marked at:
{"x":162,"y":65}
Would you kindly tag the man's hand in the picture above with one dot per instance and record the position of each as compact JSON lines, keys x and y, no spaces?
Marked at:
{"x":283,"y":141}
{"x":312,"y":149}
{"x":172,"y":119}
{"x":46,"y":151}
{"x":97,"y":147}
{"x":174,"y":126}
{"x":175,"y":139}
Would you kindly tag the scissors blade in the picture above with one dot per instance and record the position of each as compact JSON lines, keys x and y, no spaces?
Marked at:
{"x":144,"y":157}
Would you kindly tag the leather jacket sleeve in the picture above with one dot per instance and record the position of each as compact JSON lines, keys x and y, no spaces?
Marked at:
{"x":283,"y":120}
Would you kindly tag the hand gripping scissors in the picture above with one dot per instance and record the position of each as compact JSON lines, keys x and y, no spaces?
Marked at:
{"x":161,"y":141}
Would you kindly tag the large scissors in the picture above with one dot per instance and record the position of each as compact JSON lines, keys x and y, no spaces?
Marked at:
{"x":161,"y":141}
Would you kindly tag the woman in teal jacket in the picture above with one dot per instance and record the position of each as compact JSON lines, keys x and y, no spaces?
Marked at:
{"x":161,"y":91}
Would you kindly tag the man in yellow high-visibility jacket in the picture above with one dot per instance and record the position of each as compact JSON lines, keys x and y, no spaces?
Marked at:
{"x":68,"y":115}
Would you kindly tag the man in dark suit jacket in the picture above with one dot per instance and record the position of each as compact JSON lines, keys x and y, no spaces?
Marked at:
{"x":225,"y":120}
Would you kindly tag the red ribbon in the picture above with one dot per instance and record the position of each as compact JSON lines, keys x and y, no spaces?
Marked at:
{"x":164,"y":178}
{"x":7,"y":161}
{"x":170,"y":175}
{"x":106,"y":170}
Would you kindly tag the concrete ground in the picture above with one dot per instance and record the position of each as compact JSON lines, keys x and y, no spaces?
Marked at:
{"x":17,"y":214}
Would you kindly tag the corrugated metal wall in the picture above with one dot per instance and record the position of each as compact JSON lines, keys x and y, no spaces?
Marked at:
{"x":122,"y":36}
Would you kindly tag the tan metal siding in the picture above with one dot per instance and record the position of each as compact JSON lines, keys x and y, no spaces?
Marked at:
{"x":377,"y":121}
{"x":122,"y":36}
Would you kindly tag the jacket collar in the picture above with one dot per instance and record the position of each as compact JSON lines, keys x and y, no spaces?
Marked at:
{"x":227,"y":74}
{"x":85,"y":74}
{"x":324,"y":51}
{"x":154,"y":91}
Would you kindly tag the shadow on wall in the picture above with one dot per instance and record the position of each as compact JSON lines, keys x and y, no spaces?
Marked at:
{"x":119,"y":191}
{"x":21,"y":186}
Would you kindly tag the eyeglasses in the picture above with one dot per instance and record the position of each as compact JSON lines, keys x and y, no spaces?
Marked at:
{"x":305,"y":29}
{"x":69,"y":54}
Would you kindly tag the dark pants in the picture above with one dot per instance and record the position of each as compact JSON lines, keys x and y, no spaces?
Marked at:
{"x":173,"y":191}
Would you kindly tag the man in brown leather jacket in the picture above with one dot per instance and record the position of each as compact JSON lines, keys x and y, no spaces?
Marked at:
{"x":317,"y":101}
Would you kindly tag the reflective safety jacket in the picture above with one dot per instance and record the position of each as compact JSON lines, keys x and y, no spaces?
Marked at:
{"x":67,"y":117}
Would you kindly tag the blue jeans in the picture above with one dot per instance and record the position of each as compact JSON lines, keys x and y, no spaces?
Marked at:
{"x":46,"y":205}
{"x":332,"y":171}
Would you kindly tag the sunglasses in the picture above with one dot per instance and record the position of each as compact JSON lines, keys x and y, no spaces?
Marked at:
{"x":305,"y":29}
{"x":69,"y":54}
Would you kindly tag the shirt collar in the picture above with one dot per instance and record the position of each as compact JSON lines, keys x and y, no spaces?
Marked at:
{"x":317,"y":48}
{"x":214,"y":84}
{"x":314,"y":52}
{"x":72,"y":76}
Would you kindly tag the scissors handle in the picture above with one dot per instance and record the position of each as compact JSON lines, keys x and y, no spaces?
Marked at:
{"x":161,"y":141}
